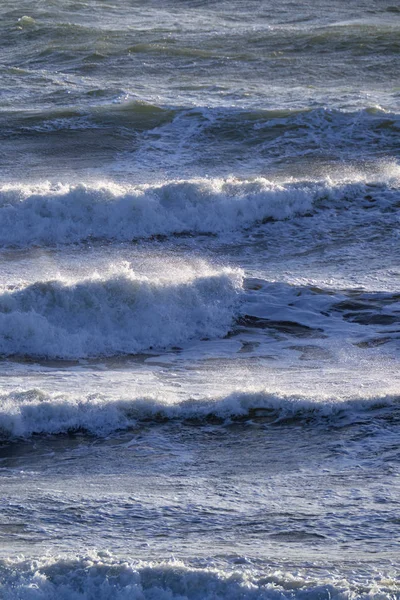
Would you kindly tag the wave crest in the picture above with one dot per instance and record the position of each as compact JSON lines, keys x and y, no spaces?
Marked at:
{"x":118,"y":314}
{"x":24,"y":414}
{"x":48,"y":214}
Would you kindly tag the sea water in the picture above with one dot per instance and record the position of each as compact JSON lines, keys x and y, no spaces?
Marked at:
{"x":199,"y":300}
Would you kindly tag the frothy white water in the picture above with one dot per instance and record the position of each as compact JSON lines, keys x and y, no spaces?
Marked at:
{"x":71,"y":213}
{"x":107,"y":579}
{"x":48,"y":214}
{"x":116,"y":313}
{"x":23,"y":414}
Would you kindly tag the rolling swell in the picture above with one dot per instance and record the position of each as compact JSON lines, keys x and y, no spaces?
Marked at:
{"x":139,"y":116}
{"x":217,"y":124}
{"x":150,"y":141}
{"x":62,"y":214}
{"x":118,"y":314}
{"x":34,"y":412}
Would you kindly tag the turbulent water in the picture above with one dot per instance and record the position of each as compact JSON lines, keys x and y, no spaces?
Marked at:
{"x":199,"y":300}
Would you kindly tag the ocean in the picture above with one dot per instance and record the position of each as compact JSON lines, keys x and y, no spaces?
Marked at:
{"x":199,"y":300}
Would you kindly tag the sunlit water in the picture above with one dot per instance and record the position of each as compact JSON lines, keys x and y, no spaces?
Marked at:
{"x":199,"y":300}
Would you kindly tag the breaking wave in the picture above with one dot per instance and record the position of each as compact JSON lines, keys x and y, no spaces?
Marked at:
{"x":49,"y":214}
{"x":103,"y":578}
{"x":67,"y":214}
{"x":34,"y":412}
{"x":120,"y":313}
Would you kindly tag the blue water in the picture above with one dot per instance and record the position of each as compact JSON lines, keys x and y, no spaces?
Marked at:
{"x":199,"y":300}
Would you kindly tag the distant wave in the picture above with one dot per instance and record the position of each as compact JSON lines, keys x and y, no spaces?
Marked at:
{"x":105,"y":578}
{"x":48,"y":214}
{"x":115,"y":314}
{"x":23,"y":414}
{"x":258,"y":129}
{"x":140,"y":116}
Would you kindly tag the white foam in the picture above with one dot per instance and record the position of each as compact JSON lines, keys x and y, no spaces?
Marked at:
{"x":24,"y":413}
{"x":119,"y":313}
{"x":104,"y":578}
{"x":54,"y":214}
{"x":69,"y":213}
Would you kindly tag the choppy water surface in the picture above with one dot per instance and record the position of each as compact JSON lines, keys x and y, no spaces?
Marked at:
{"x":199,"y":300}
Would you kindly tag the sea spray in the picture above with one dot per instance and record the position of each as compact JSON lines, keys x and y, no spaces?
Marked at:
{"x":105,"y":577}
{"x":53,"y":214}
{"x":119,"y":313}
